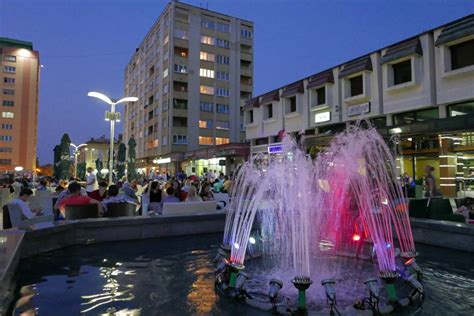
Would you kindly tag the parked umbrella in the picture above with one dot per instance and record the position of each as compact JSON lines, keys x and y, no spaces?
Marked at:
{"x":81,"y":170}
{"x":132,"y":172}
{"x":65,"y":164}
{"x":120,"y":166}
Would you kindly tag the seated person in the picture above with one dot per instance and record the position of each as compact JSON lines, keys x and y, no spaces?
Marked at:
{"x":218,"y":185}
{"x":113,"y":196}
{"x":65,"y":193}
{"x":170,"y":197}
{"x":101,"y":193}
{"x":22,"y":202}
{"x":206,"y":193}
{"x":129,"y":191}
{"x":192,"y":195}
{"x":74,"y":197}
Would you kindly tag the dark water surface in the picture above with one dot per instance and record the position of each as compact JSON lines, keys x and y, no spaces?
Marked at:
{"x":174,"y":276}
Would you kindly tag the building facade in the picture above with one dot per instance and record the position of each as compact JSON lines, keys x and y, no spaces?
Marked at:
{"x":192,"y":73}
{"x":97,"y":148}
{"x":418,"y":92}
{"x":19,"y":82}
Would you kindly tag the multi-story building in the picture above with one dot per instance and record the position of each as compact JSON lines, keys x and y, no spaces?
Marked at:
{"x":97,"y":148}
{"x":19,"y":80}
{"x":419,"y":91}
{"x":192,"y":73}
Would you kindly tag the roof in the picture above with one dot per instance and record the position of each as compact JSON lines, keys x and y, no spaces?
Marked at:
{"x":297,"y":87}
{"x":10,"y":42}
{"x":459,"y":29}
{"x":355,"y":66}
{"x":251,"y":103}
{"x":407,"y":48}
{"x":270,"y":96}
{"x":320,"y":79}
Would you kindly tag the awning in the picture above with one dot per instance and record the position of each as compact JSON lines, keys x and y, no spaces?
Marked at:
{"x":251,"y":103}
{"x":403,"y":49}
{"x":457,"y":30}
{"x":270,"y":96}
{"x":297,"y":87}
{"x":320,"y":79}
{"x":356,"y":66}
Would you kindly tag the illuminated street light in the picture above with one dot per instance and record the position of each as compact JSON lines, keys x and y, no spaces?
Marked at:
{"x":111,"y":116}
{"x":76,"y":154}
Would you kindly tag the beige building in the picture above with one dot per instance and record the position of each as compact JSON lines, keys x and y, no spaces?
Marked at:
{"x":192,"y":73}
{"x":96,"y":148}
{"x":19,"y":81}
{"x":418,"y":92}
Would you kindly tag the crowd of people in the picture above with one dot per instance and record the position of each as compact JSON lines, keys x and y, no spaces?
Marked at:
{"x":146,"y":194}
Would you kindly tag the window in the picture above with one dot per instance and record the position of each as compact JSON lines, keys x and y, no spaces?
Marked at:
{"x":8,"y":80}
{"x":245,"y":64}
{"x":357,"y":86}
{"x":242,"y":127}
{"x":5,"y":161}
{"x":164,"y":123}
{"x":208,"y":73}
{"x":223,"y":43}
{"x":5,"y":149}
{"x":9,"y":69}
{"x":6,"y":138}
{"x":206,"y":107}
{"x":222,"y":125}
{"x":8,"y":115}
{"x":222,"y":75}
{"x":222,"y":92}
{"x":7,"y":126}
{"x":269,"y":111}
{"x":166,"y":88}
{"x":9,"y":58}
{"x":207,"y":40}
{"x":208,"y":24}
{"x":415,"y":116}
{"x":222,"y":108}
{"x":223,"y":27}
{"x":402,"y":72}
{"x":166,"y":40}
{"x":181,"y":16}
{"x":246,"y":33}
{"x":207,"y":56}
{"x":205,"y":140}
{"x":165,"y":105}
{"x":183,"y":69}
{"x":250,"y":117}
{"x":181,"y":51}
{"x":182,"y":34}
{"x":205,"y":124}
{"x":221,"y":141}
{"x":164,"y":141}
{"x":321,"y":96}
{"x":8,"y":103}
{"x":461,"y":108}
{"x":462,"y":54}
{"x":180,"y":139}
{"x":224,"y":60}
{"x":165,"y":73}
{"x":206,"y":90}
{"x":8,"y":91}
{"x":166,"y":55}
{"x":180,"y":104}
{"x":291,"y":105}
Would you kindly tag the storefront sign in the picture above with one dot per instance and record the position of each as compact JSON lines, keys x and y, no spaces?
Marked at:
{"x":275,"y":149}
{"x":358,"y":109}
{"x":322,"y":117}
{"x":228,"y":152}
{"x":162,"y":161}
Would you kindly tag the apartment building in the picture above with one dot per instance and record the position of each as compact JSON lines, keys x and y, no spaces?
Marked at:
{"x":192,"y":73}
{"x":19,"y":81}
{"x":418,"y":92}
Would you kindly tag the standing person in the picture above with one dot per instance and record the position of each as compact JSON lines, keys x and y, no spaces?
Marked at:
{"x":22,"y":202}
{"x":91,"y":181}
{"x":431,"y":191}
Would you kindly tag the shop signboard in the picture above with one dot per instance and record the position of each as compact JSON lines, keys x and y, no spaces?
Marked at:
{"x":275,"y":149}
{"x":224,"y":153}
{"x":322,"y":117}
{"x":358,"y":109}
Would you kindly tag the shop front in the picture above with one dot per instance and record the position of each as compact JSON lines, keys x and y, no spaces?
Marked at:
{"x":223,"y":158}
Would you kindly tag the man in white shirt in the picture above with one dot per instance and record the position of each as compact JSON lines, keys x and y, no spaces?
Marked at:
{"x":91,"y":181}
{"x":22,"y":202}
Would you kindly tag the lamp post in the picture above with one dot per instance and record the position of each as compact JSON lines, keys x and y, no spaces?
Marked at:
{"x":76,"y":154}
{"x":111,"y":116}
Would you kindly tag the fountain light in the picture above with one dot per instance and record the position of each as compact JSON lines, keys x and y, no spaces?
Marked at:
{"x":356,"y":237}
{"x":252,"y":241}
{"x":236,"y":246}
{"x":275,"y":287}
{"x":242,"y":277}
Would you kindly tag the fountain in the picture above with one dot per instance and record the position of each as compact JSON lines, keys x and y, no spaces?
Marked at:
{"x":293,"y":220}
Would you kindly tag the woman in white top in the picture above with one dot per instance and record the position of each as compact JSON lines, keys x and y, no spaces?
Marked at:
{"x":192,"y":196}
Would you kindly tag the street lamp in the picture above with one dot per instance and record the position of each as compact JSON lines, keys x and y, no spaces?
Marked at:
{"x":76,"y":154}
{"x":111,"y":116}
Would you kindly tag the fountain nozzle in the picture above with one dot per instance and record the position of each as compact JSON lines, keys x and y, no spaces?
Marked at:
{"x":234,"y":268}
{"x":275,"y":287}
{"x":302,"y":283}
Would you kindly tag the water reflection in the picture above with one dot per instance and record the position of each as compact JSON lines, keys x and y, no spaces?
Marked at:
{"x":201,"y":295}
{"x":112,"y":290}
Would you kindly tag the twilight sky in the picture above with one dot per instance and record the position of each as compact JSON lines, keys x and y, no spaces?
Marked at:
{"x":85,"y":44}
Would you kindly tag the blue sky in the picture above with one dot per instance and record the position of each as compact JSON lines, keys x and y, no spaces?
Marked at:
{"x":85,"y":45}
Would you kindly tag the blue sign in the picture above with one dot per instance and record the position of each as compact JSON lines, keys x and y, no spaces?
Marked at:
{"x":275,"y":149}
